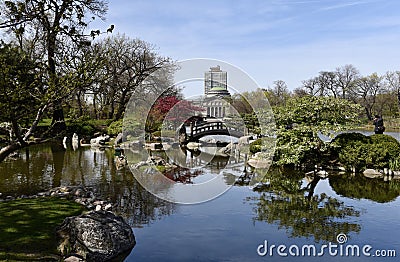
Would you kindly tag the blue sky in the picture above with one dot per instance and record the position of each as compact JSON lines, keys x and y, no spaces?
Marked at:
{"x":270,"y":39}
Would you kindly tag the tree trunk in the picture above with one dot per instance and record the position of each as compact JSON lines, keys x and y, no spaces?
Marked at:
{"x":95,"y":106}
{"x":5,"y":151}
{"x":122,"y":105}
{"x":398,"y":96}
{"x":112,"y":109}
{"x":58,"y":122}
{"x":368,"y":112}
{"x":58,"y":153}
{"x":78,"y":97}
{"x":313,"y":185}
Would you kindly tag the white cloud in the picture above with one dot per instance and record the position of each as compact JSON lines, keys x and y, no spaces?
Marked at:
{"x":343,"y":5}
{"x":281,"y":39}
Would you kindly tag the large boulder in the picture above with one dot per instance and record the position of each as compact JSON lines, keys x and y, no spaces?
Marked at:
{"x":96,"y":236}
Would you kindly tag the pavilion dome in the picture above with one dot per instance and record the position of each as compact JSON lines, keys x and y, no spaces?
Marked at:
{"x":219,"y":90}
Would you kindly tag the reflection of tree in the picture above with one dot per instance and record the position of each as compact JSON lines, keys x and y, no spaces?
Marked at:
{"x":360,"y":187}
{"x":286,"y":203}
{"x":132,"y":201}
{"x":21,"y":176}
{"x":58,"y":153}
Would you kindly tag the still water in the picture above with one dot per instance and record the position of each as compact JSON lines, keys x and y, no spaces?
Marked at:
{"x":291,"y":210}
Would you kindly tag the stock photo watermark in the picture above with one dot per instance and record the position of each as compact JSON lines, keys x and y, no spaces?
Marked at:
{"x":339,"y":249}
{"x":205,"y":110}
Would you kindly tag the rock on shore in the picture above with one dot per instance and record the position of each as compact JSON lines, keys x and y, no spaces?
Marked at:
{"x":96,"y":236}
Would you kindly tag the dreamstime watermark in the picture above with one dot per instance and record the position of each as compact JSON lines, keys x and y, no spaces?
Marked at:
{"x":220,"y":114}
{"x":340,"y":248}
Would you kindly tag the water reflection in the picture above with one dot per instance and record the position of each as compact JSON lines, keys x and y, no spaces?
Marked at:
{"x":361,"y":187}
{"x":43,"y":167}
{"x":185,"y":176}
{"x":288,"y":200}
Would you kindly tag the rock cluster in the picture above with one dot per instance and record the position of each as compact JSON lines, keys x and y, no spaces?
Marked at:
{"x":80,"y":194}
{"x":154,"y":160}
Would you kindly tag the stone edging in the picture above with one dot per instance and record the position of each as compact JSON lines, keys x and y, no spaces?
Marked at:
{"x":80,"y":194}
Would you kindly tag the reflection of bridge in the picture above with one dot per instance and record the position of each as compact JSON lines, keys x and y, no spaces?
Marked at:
{"x":201,"y":129}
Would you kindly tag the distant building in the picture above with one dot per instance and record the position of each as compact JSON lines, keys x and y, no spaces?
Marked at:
{"x":216,"y":92}
{"x":215,"y":80}
{"x":214,"y":101}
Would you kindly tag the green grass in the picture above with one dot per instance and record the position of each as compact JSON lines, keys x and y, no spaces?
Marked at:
{"x":46,"y":122}
{"x":27,"y":227}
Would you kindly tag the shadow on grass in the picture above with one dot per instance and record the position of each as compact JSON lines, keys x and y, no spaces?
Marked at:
{"x":27,"y":227}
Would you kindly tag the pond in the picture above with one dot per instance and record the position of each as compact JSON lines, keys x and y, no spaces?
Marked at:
{"x":292,"y":209}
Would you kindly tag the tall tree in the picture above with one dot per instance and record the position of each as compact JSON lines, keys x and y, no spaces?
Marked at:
{"x":366,"y":91}
{"x":278,"y":94}
{"x":327,"y":83}
{"x":132,"y":67}
{"x":299,"y":92}
{"x":393,"y":82}
{"x":346,"y":79}
{"x":81,"y":69}
{"x":22,"y":102}
{"x":53,"y":20}
{"x":312,"y":87}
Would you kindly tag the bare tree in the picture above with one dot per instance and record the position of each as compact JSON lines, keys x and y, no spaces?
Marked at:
{"x":278,"y":94}
{"x":300,"y":92}
{"x":128,"y":63}
{"x":393,"y":82}
{"x":366,"y":92}
{"x":327,"y":83}
{"x":346,"y":79}
{"x":311,"y":86}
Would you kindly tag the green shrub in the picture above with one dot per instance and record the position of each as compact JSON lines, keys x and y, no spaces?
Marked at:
{"x":81,"y":127}
{"x":346,"y":138}
{"x":354,"y":155}
{"x":115,"y":128}
{"x":389,"y":142}
{"x":354,"y":150}
{"x":256,"y":146}
{"x":132,"y":127}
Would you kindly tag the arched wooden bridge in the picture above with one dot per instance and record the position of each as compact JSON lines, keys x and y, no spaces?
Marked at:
{"x":201,"y":129}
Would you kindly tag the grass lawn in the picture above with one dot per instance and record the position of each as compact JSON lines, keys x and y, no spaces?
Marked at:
{"x":27,"y":227}
{"x":45,"y":122}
